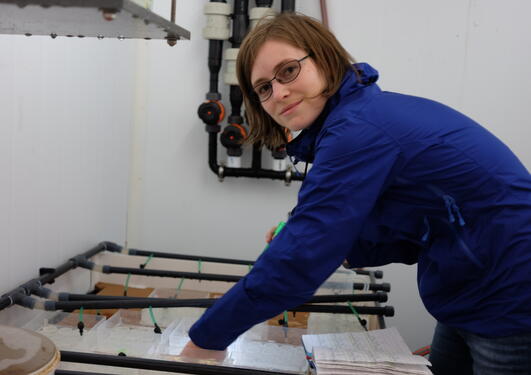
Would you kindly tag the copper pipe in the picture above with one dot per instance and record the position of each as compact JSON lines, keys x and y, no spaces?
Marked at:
{"x":324,"y":12}
{"x":173,"y":6}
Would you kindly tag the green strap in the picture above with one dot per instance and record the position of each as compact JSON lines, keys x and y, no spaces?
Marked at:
{"x":356,"y":314}
{"x":81,"y":314}
{"x":286,"y":318}
{"x":148,"y":260}
{"x":199,"y":263}
{"x":180,"y":284}
{"x":353,"y":310}
{"x":152,"y":315}
{"x":280,"y":226}
{"x":126,"y":286}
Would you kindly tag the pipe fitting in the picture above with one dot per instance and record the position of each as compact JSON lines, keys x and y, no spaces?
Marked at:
{"x":218,"y":21}
{"x":287,"y":177}
{"x":230,"y":56}
{"x":256,"y":14}
{"x":111,"y":246}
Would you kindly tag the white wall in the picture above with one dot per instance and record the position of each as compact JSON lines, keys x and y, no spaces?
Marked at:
{"x":65,"y":128}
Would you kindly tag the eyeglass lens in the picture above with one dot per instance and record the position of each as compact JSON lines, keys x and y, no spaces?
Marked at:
{"x":287,"y":73}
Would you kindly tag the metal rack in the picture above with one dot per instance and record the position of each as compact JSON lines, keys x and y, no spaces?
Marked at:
{"x":122,"y":19}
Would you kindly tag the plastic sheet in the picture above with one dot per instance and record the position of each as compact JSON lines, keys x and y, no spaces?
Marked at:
{"x":263,"y":348}
{"x":61,"y":328}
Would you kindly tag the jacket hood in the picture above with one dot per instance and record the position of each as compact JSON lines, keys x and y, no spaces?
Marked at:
{"x":302,"y":147}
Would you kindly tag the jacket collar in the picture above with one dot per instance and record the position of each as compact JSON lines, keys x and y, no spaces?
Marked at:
{"x":302,"y":148}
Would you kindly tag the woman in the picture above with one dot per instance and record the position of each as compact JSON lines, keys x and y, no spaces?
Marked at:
{"x":395,"y":178}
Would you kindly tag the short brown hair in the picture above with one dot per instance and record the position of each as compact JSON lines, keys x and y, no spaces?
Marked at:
{"x":302,"y":32}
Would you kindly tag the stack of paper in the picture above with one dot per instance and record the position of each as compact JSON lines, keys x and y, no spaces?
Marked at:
{"x":375,"y":352}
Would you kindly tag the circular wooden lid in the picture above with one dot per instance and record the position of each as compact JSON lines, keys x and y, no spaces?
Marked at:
{"x":24,"y":352}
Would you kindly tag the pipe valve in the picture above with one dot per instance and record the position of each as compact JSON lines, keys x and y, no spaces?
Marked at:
{"x":211,"y":113}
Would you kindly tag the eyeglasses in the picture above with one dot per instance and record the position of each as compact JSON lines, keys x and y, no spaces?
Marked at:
{"x":286,"y":73}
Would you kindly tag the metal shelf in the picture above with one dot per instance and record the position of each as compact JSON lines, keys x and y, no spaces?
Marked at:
{"x":120,"y":19}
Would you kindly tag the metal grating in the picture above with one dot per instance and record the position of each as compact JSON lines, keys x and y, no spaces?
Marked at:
{"x":121,"y":19}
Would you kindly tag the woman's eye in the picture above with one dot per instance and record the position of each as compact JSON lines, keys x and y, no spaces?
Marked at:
{"x":263,"y":89}
{"x":287,"y":72}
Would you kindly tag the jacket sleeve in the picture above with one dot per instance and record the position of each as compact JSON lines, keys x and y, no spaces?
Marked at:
{"x":354,"y":161}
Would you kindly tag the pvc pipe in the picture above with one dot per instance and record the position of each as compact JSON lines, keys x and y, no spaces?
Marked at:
{"x":288,"y":6}
{"x":68,"y":372}
{"x":325,"y":298}
{"x":49,"y":275}
{"x":279,"y":165}
{"x":234,"y":161}
{"x":223,"y":172}
{"x":381,"y":321}
{"x":256,"y":14}
{"x":160,"y":365}
{"x":206,"y":303}
{"x":218,"y":21}
{"x":157,"y":254}
{"x":386,"y":287}
{"x":189,"y":257}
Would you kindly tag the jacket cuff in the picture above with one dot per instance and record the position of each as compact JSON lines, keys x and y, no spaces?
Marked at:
{"x":219,"y":327}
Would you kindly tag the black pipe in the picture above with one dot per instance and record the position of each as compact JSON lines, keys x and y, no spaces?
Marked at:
{"x":378,"y":296}
{"x":288,"y":6}
{"x":201,"y":303}
{"x":68,"y":372}
{"x":377,"y":274}
{"x":174,"y":274}
{"x":361,"y":297}
{"x":257,"y":156}
{"x":129,"y":304}
{"x":48,"y":275}
{"x":236,"y":101}
{"x":156,"y":254}
{"x":241,"y":172}
{"x":6,"y":301}
{"x":364,"y":310}
{"x":386,"y":287}
{"x":215,"y":51}
{"x":381,"y":321}
{"x":264,"y":3}
{"x":240,"y":22}
{"x":160,"y":365}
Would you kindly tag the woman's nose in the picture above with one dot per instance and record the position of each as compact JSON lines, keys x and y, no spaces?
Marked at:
{"x":280,"y":91}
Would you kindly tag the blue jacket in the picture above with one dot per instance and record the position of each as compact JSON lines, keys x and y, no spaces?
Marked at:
{"x":397,"y":178}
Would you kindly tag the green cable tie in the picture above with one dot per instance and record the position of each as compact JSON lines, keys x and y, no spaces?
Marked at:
{"x":286,"y":318}
{"x":180,"y":284}
{"x":353,"y":309}
{"x":152,"y":315}
{"x":280,"y":226}
{"x":126,"y":286}
{"x":148,"y":260}
{"x":81,"y":314}
{"x":199,"y":265}
{"x":363,"y":322}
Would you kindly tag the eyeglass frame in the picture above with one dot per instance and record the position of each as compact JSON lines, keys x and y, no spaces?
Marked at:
{"x":275,"y":78}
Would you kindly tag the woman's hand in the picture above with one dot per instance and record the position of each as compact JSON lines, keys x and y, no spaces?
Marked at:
{"x":193,"y":351}
{"x":270,"y":234}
